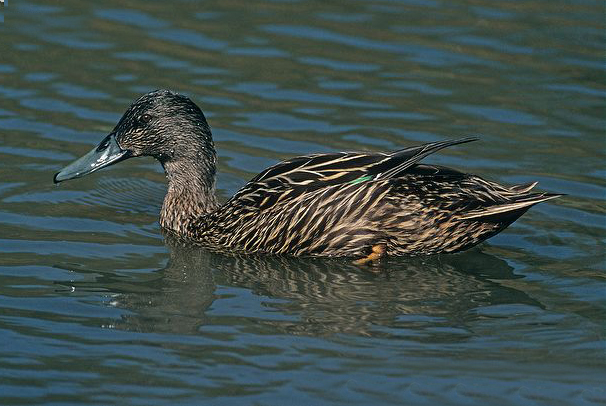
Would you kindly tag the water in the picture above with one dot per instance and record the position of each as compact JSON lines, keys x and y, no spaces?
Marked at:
{"x":97,"y":309}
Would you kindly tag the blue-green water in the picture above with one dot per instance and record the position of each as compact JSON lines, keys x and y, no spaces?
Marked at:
{"x":97,"y":309}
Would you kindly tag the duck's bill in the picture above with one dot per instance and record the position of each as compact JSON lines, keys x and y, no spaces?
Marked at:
{"x":108,"y":152}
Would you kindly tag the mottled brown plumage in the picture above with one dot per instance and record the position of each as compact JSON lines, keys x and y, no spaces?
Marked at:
{"x":353,"y":204}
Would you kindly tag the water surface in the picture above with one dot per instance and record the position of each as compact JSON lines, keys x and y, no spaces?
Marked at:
{"x":96,"y":308}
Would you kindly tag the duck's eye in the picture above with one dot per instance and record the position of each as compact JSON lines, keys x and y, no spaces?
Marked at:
{"x":145,"y":118}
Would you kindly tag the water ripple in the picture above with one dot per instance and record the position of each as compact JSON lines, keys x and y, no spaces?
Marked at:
{"x":98,"y":306}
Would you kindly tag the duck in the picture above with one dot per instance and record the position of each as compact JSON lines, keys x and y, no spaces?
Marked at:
{"x":363,"y":205}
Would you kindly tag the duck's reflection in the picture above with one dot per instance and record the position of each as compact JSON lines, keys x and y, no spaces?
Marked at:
{"x":405,"y":296}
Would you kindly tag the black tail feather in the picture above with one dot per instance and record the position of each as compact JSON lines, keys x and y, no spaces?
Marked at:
{"x":405,"y":158}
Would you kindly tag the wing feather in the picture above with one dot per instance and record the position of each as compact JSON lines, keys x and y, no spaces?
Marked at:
{"x":305,"y":173}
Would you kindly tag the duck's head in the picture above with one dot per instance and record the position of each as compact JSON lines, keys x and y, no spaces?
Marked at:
{"x":163,"y":124}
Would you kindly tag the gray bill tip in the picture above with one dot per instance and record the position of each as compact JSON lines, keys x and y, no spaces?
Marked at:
{"x":56,"y":179}
{"x":61,"y":176}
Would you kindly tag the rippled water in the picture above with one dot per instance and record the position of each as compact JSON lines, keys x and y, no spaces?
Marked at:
{"x":96,"y":308}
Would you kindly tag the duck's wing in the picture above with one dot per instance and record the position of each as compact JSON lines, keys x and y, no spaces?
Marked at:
{"x":307,"y":173}
{"x":399,"y":161}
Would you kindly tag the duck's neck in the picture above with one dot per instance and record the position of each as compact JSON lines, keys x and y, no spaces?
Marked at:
{"x":190,"y":195}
